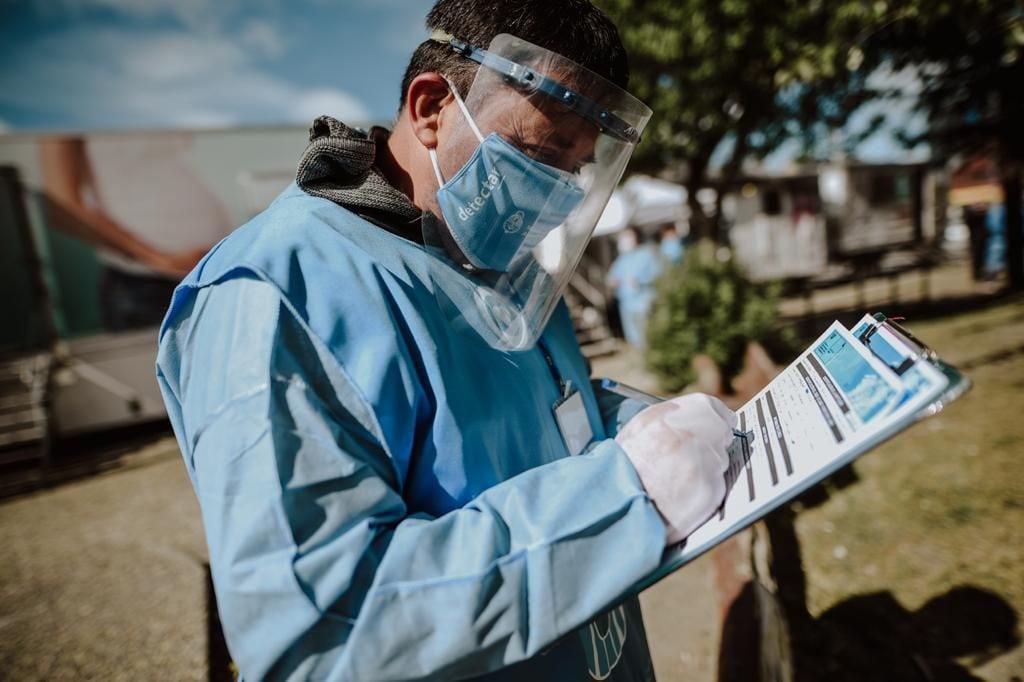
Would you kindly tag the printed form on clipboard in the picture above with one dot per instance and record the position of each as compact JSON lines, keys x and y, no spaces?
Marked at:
{"x":844,"y":395}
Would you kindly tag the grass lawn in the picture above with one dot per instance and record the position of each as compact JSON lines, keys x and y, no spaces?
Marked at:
{"x":916,"y":570}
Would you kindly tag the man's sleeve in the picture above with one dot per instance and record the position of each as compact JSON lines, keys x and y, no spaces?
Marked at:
{"x":319,"y":570}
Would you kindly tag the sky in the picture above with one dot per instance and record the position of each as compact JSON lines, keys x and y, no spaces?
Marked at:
{"x":115,"y":64}
{"x":198,"y":64}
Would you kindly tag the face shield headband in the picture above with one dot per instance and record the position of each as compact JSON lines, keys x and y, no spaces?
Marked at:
{"x":529,"y":80}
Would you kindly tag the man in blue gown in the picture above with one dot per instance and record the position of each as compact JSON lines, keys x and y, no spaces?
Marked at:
{"x":403,"y":469}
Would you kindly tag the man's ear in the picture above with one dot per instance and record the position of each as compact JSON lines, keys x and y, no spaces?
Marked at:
{"x":428,"y":94}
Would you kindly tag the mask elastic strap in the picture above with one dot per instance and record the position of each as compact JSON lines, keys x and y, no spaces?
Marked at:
{"x":472,"y":124}
{"x":465,"y":111}
{"x":437,"y":169}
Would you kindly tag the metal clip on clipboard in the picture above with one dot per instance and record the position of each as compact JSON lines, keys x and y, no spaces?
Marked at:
{"x":918,"y":351}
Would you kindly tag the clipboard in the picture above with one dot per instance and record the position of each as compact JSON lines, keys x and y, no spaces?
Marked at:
{"x":911,"y":347}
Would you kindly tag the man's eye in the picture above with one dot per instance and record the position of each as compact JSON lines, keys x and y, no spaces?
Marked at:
{"x":547,"y":156}
{"x":535,"y":152}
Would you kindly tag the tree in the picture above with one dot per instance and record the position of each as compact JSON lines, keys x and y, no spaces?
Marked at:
{"x":745,"y":75}
{"x":710,"y":307}
{"x":745,"y":72}
{"x":968,"y":56}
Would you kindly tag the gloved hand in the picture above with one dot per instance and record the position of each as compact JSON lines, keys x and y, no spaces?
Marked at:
{"x":678,"y":447}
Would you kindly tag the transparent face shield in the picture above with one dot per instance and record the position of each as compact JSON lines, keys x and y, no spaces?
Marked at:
{"x":525,"y":162}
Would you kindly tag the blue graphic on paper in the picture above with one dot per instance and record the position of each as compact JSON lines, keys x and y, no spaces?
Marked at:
{"x":914,"y":380}
{"x":866,"y":391}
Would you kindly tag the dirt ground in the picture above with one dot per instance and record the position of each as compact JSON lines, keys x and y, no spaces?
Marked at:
{"x":105,"y":578}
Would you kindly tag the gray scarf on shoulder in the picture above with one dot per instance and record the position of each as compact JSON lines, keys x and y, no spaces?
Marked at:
{"x":338,"y":166}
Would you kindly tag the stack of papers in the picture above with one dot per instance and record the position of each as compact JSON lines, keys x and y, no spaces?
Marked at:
{"x":845,"y":394}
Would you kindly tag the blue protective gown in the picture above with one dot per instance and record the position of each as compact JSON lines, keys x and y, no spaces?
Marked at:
{"x":385,"y":497}
{"x":634,"y":273}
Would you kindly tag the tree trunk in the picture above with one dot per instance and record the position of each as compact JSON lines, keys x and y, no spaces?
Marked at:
{"x":1014,"y":249}
{"x":702,"y":226}
{"x":730,"y":172}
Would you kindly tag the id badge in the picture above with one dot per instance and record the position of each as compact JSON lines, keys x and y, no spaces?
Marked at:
{"x":573,"y":422}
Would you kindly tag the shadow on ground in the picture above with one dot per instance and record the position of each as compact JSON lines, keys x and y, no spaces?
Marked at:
{"x":870,"y":636}
{"x":80,"y":457}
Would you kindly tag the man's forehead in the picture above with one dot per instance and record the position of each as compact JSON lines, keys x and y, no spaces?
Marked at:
{"x":537,"y":114}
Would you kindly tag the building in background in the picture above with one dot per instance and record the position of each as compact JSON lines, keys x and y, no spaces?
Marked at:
{"x":836,"y":219}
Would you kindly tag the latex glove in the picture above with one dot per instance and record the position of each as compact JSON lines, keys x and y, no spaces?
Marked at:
{"x":678,"y":448}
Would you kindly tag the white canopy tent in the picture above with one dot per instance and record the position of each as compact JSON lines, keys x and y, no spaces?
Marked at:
{"x":643,"y":201}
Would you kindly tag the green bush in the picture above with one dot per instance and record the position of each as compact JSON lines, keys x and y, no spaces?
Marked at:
{"x":708,"y":306}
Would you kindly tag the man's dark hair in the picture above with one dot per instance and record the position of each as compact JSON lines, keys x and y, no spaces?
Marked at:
{"x":575,"y":29}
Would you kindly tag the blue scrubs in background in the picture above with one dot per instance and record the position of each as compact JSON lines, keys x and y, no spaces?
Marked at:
{"x":672,"y":250}
{"x":995,"y":245}
{"x":634,"y":272}
{"x":385,"y":496}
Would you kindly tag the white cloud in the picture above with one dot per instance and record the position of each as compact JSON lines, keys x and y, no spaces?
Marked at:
{"x":262,"y":38}
{"x":329,"y":101}
{"x":174,"y":57}
{"x":114,"y":78}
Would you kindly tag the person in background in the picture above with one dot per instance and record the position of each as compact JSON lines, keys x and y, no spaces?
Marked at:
{"x":995,"y":245}
{"x":671,"y":245}
{"x":139,"y":202}
{"x":975,"y":217}
{"x":632,"y":277}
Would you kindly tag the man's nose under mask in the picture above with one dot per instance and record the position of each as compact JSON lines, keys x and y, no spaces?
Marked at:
{"x":502,"y":202}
